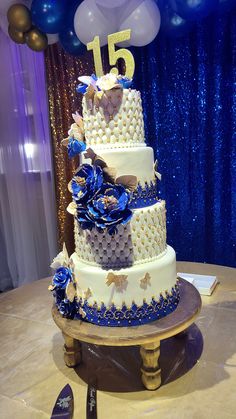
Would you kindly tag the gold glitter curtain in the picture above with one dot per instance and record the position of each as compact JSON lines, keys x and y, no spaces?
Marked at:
{"x":63,"y":71}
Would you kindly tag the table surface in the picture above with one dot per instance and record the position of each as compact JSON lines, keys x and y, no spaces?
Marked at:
{"x":198,"y":371}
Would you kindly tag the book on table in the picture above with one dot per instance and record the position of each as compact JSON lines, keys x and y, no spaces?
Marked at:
{"x":204,"y":283}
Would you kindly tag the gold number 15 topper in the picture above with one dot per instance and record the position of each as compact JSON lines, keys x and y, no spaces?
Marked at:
{"x":114,"y":55}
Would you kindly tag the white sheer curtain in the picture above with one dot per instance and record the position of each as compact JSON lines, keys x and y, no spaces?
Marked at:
{"x":27,"y":197}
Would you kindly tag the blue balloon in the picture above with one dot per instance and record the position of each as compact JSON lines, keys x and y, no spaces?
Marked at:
{"x":226,"y":5}
{"x":67,"y":36}
{"x":194,"y":9}
{"x":48,"y":15}
{"x":173,"y":25}
{"x":161,"y":4}
{"x":71,"y":43}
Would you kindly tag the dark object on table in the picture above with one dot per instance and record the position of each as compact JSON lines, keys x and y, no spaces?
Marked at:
{"x":64,"y":406}
{"x":91,"y":400}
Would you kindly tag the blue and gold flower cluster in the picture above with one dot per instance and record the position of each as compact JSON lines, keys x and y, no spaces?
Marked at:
{"x":62,"y":277}
{"x":85,"y":183}
{"x":99,"y":204}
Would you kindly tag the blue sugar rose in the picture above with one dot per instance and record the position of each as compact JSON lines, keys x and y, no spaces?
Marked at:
{"x":107,"y":209}
{"x":75,"y":147}
{"x":86,"y":183}
{"x":81,"y":88}
{"x":62,"y":277}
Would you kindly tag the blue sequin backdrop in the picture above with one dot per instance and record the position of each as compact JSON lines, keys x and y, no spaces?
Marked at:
{"x":188,"y":88}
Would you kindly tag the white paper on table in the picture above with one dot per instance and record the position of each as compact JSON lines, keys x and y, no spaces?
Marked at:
{"x":205,"y":284}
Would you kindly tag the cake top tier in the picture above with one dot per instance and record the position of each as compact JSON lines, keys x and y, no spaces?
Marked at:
{"x":112,"y":112}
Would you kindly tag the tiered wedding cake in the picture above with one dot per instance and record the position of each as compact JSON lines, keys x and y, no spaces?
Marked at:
{"x":122,"y":272}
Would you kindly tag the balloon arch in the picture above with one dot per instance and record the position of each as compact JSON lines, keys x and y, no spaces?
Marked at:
{"x":74,"y":23}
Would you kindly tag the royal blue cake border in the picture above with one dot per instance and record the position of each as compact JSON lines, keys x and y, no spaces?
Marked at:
{"x":119,"y":317}
{"x":144,"y":196}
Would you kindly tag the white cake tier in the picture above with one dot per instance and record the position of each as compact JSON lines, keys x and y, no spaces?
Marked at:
{"x":141,"y":240}
{"x":138,"y":161}
{"x":134,"y":284}
{"x":117,"y":122}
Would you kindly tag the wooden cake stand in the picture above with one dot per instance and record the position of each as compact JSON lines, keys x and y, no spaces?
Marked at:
{"x":147,"y":336}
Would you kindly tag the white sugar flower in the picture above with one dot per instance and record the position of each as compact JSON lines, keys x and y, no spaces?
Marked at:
{"x":76,"y":132}
{"x":62,"y":259}
{"x":78,"y":120}
{"x":108,"y":82}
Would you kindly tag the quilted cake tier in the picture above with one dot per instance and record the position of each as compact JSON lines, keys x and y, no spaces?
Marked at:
{"x":116,"y":121}
{"x":141,"y":240}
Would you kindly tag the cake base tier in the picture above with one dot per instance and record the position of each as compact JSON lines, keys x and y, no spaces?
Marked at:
{"x":135,"y":284}
{"x":125,"y":297}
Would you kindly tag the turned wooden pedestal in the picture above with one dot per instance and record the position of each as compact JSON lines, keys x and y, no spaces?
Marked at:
{"x":148,"y":336}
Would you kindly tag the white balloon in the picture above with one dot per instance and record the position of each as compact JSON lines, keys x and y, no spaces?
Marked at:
{"x":110,"y":4}
{"x":144,"y":23}
{"x":124,"y":44}
{"x":89,"y":21}
{"x":122,"y":14}
{"x":110,"y":16}
{"x":52,"y":38}
{"x":130,"y":6}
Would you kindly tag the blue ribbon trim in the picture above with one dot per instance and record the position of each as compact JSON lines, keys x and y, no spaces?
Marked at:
{"x":124,"y":316}
{"x":144,"y":196}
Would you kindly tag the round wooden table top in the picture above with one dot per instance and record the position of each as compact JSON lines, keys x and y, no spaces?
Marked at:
{"x":183,"y":316}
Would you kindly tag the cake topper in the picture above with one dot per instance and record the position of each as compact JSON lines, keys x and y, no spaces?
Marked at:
{"x":105,"y":92}
{"x":114,"y":56}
